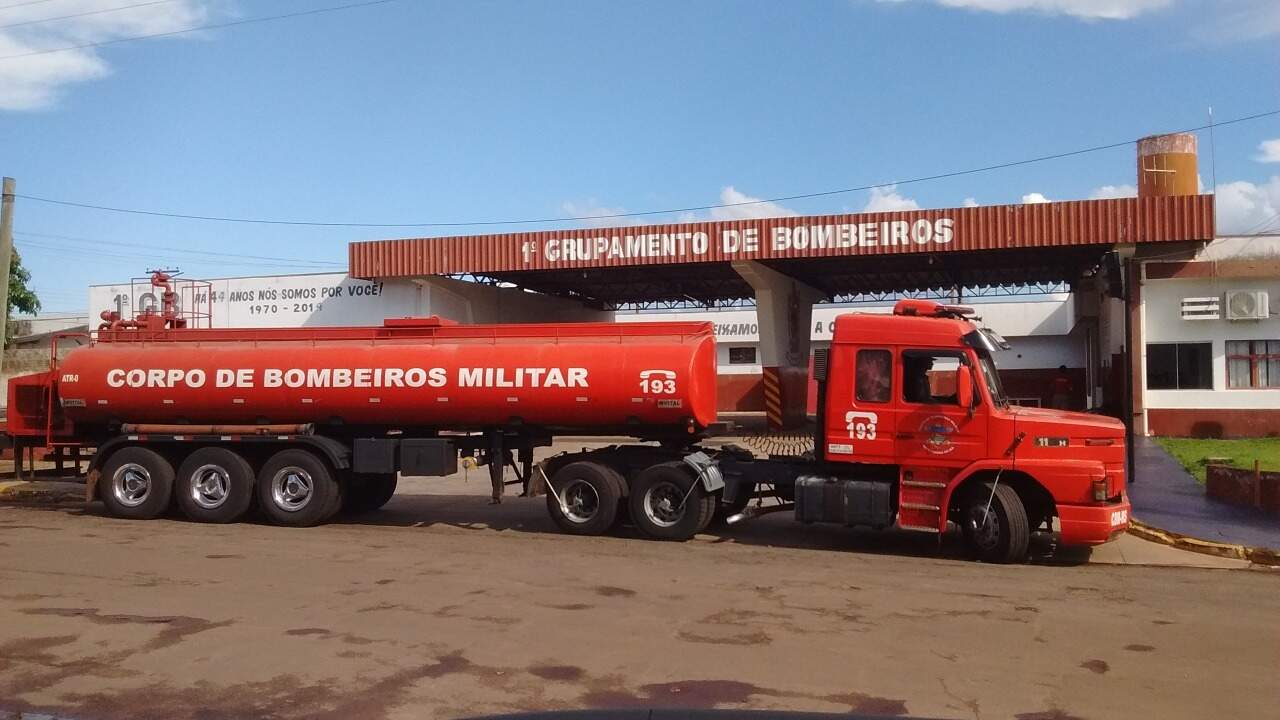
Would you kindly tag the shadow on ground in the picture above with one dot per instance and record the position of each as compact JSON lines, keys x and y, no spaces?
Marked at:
{"x":529,"y":515}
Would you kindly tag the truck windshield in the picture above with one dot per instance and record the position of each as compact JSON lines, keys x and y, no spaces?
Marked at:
{"x":991,"y":376}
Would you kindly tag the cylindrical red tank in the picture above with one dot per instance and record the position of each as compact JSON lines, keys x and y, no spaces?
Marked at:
{"x":410,"y":373}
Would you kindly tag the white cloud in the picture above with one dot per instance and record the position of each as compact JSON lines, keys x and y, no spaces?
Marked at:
{"x":1240,"y":20}
{"x":1268,"y":151}
{"x":594,"y":214}
{"x":887,"y":199}
{"x":756,"y":209}
{"x":34,"y":82}
{"x":1110,"y":192}
{"x":1034,"y":199}
{"x":1244,"y":207}
{"x":970,"y":202}
{"x":1086,"y":9}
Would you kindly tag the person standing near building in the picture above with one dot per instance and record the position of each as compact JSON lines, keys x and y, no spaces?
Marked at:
{"x":1062,"y":388}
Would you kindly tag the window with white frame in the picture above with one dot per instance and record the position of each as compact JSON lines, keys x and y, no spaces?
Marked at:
{"x":1253,"y":363}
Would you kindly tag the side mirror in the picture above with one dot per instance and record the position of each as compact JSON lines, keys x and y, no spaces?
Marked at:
{"x":964,"y":387}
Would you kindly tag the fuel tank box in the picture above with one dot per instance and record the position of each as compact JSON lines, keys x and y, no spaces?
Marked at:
{"x":848,"y":502}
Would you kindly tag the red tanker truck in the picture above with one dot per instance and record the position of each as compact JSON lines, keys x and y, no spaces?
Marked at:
{"x":913,"y":429}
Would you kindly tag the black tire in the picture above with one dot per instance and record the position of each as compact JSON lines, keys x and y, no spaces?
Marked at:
{"x":297,"y":489}
{"x":366,"y":492}
{"x":214,"y":485}
{"x":583,"y":496}
{"x":1006,"y":533}
{"x":668,"y":503}
{"x":137,"y":483}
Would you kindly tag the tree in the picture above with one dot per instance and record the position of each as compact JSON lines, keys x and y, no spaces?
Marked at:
{"x":21,"y":298}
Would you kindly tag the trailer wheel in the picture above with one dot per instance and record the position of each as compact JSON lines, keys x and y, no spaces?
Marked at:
{"x":214,"y":485}
{"x":1000,"y":535}
{"x":298,"y":489}
{"x":137,"y":483}
{"x":583,"y":498}
{"x":668,"y":503}
{"x":367,"y":492}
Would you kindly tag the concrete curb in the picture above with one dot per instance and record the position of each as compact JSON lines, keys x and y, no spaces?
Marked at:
{"x":1258,"y":556}
{"x":40,"y":492}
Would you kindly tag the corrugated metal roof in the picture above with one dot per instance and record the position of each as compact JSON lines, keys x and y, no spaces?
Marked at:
{"x":956,"y":230}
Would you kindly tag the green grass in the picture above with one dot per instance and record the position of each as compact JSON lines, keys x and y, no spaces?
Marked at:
{"x":1192,"y":453}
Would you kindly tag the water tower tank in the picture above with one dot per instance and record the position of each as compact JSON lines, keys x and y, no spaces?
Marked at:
{"x":1167,"y":165}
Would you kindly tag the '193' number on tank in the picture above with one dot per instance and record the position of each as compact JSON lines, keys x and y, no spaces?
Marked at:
{"x":658,"y":382}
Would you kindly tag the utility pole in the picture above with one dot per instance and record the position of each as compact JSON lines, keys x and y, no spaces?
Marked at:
{"x":6,"y":255}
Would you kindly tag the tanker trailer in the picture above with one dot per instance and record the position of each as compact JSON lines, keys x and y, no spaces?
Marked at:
{"x":309,"y":420}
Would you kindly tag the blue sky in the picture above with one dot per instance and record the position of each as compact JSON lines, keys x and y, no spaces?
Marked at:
{"x":416,"y":111}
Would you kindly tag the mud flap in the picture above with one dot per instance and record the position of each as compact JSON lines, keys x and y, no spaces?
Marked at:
{"x":706,"y":470}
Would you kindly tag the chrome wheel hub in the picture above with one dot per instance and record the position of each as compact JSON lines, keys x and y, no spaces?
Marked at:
{"x":131,"y":484}
{"x":664,"y":504}
{"x":579,"y":501}
{"x":210,"y":486}
{"x":292,"y":489}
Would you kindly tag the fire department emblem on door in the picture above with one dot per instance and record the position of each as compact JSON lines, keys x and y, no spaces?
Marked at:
{"x":937,"y":431}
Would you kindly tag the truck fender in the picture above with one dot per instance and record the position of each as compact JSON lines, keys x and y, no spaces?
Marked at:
{"x":94,"y":472}
{"x":337,"y":453}
{"x":964,"y":474}
{"x":706,"y":470}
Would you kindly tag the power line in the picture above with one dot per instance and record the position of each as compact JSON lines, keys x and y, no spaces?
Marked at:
{"x":24,"y":4}
{"x":38,"y":248}
{"x":209,"y":26}
{"x":612,"y":216}
{"x":146,"y":246}
{"x":84,"y":14}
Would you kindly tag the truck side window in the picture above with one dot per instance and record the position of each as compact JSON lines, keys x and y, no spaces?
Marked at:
{"x":873,"y":377}
{"x":929,"y":377}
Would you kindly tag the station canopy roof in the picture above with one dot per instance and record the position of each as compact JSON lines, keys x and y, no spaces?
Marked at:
{"x":837,"y":254}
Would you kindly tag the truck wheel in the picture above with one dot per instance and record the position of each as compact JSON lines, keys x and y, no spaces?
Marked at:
{"x":367,"y":492}
{"x":214,"y":485}
{"x":1001,"y":535}
{"x":583,"y":498}
{"x":137,"y":483}
{"x":298,"y":489}
{"x":668,"y":503}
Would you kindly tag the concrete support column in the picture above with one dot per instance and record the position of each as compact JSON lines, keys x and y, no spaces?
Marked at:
{"x":784,"y":313}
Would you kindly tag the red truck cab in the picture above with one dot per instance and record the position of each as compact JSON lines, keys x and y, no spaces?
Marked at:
{"x":918,"y":390}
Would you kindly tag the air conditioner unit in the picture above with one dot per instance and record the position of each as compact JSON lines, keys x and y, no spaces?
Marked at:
{"x":1247,"y":305}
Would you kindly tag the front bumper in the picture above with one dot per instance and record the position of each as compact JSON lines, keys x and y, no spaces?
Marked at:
{"x":1093,"y":524}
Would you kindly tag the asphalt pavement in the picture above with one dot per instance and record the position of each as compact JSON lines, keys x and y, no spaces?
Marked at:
{"x":441,"y":606}
{"x":1168,"y":497}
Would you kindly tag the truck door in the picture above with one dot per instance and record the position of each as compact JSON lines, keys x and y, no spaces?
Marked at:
{"x":860,"y":419}
{"x":933,"y":430}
